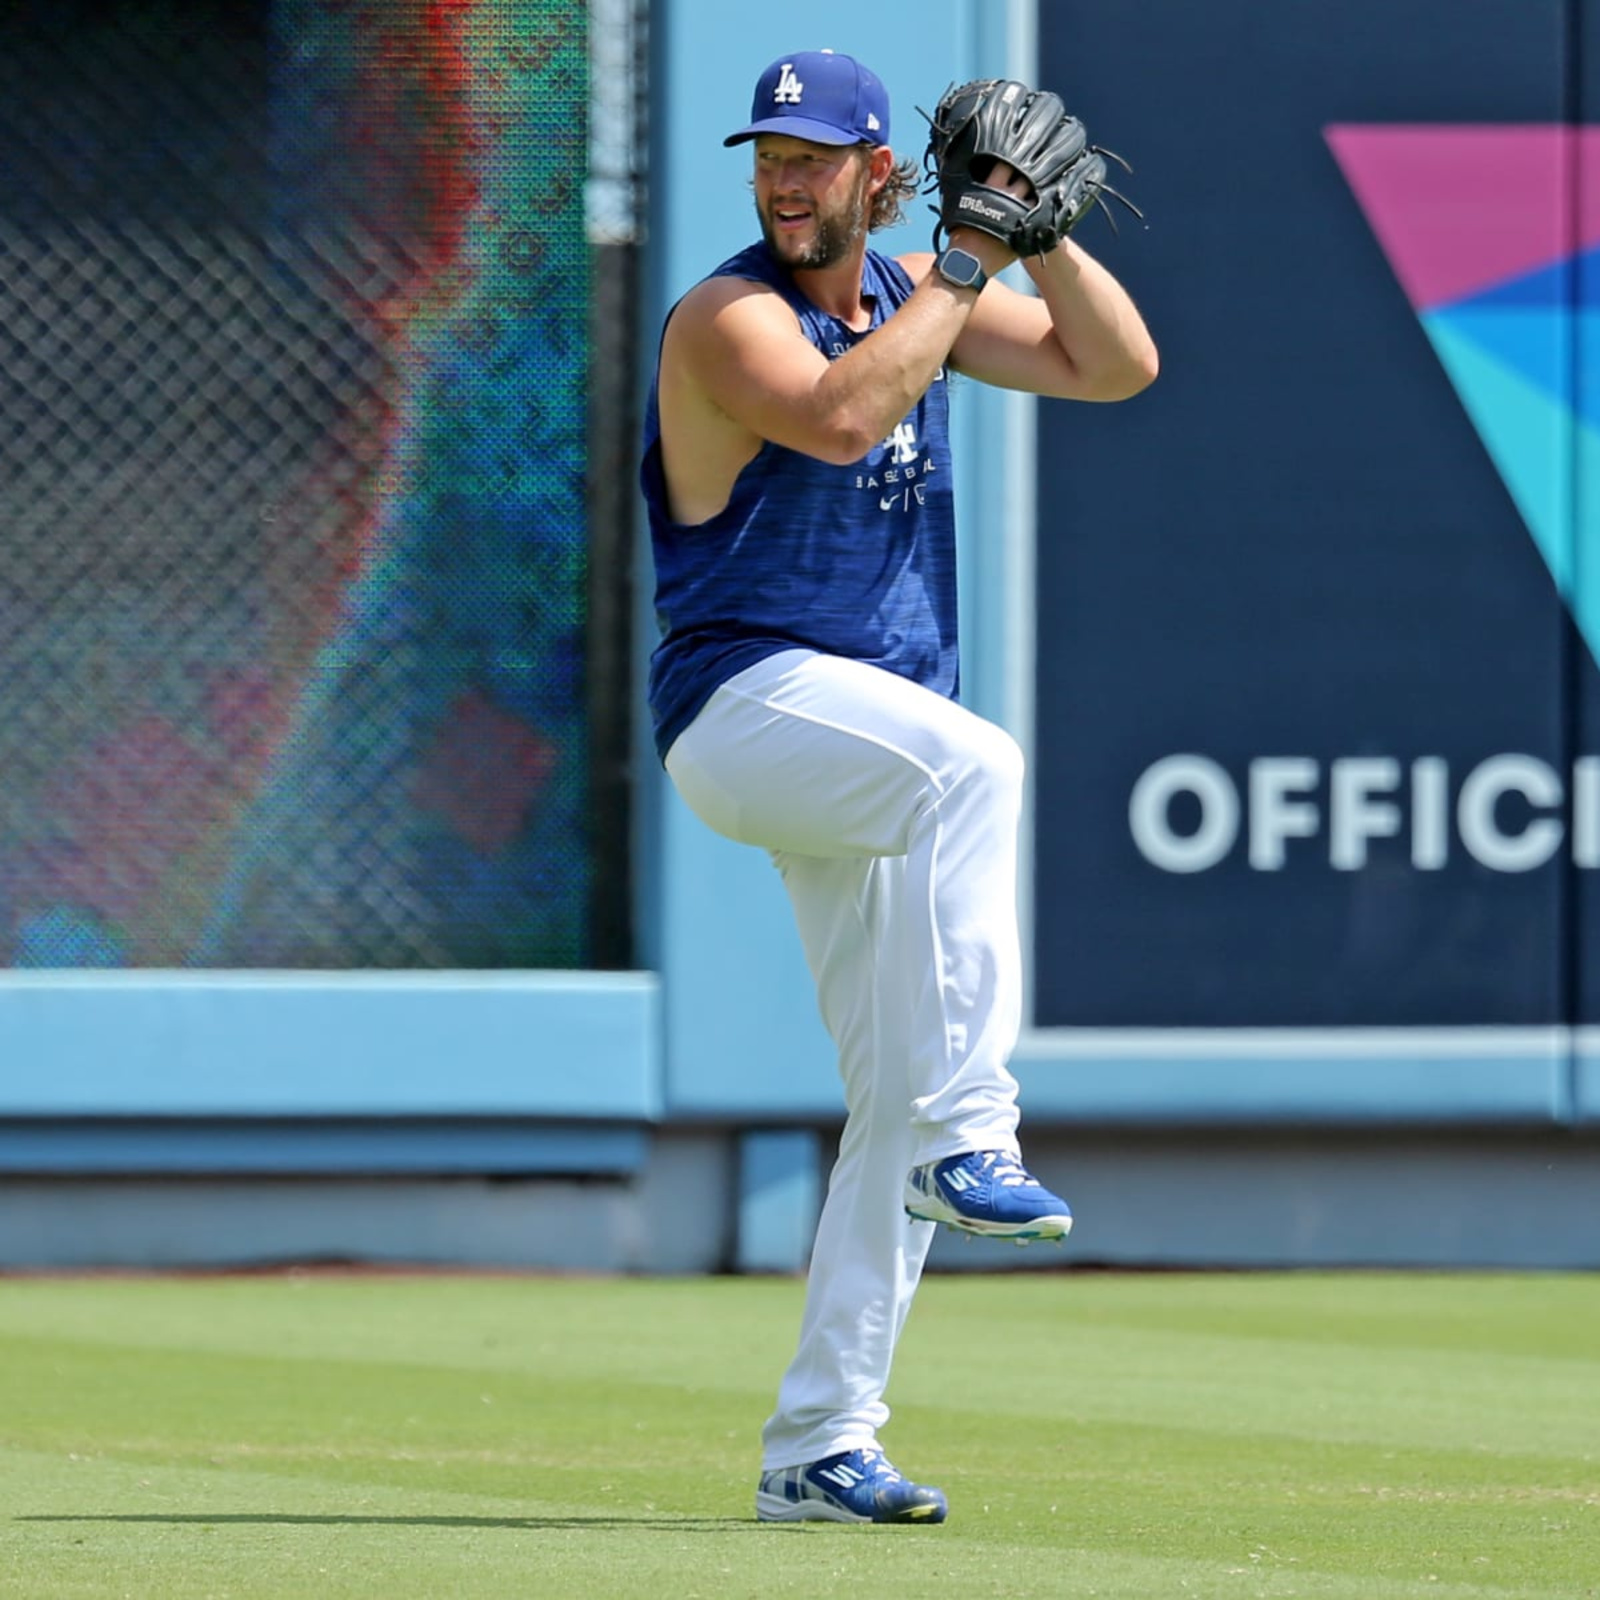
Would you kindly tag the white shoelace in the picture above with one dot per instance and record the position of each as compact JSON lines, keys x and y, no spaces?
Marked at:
{"x":1009,"y":1170}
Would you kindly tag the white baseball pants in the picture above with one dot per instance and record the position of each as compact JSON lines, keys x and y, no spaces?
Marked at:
{"x":892,"y":815}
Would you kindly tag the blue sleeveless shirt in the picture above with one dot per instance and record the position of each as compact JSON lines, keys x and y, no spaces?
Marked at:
{"x":855,"y":561}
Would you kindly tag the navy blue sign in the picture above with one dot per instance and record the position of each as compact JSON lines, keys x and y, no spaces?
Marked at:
{"x":1317,"y":729}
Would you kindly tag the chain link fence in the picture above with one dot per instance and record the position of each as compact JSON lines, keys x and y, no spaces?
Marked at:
{"x":294,"y":354}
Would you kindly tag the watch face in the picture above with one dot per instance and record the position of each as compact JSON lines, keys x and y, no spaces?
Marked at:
{"x":960,"y":267}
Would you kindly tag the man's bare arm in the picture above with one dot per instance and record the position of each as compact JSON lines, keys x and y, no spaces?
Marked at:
{"x":740,"y":347}
{"x":1081,"y":338}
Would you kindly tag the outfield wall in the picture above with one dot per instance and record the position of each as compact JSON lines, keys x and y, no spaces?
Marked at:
{"x":1300,"y":646}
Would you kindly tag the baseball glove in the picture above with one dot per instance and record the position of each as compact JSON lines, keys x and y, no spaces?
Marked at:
{"x":987,"y":120}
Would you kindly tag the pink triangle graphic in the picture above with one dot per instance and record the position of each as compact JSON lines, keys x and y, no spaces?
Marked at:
{"x":1462,"y":208}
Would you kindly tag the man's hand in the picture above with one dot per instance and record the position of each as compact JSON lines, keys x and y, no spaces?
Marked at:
{"x":994,"y":254}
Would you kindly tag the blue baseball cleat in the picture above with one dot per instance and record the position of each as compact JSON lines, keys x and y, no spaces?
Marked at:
{"x":857,"y":1486}
{"x":987,"y":1192}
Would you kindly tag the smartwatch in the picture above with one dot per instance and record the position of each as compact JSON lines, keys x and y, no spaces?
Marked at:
{"x":961,"y":268}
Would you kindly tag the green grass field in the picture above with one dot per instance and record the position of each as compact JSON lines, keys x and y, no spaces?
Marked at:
{"x":1162,"y":1437}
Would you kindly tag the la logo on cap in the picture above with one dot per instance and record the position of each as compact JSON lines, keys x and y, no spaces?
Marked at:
{"x":790,"y":88}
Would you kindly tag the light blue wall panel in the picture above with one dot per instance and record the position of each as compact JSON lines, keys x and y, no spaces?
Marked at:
{"x":1586,"y":1078}
{"x":503,"y":1146}
{"x":303,"y":1044}
{"x":1461,"y":1077}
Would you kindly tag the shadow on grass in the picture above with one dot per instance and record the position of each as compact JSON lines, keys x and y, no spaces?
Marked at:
{"x":292,"y":1520}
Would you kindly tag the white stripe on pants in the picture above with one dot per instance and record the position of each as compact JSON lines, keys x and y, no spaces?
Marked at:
{"x":892,"y":815}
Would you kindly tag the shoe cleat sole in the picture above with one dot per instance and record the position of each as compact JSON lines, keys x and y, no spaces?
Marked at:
{"x":1053,"y":1229}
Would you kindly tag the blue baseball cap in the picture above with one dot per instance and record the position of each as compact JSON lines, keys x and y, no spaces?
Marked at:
{"x":820,"y":96}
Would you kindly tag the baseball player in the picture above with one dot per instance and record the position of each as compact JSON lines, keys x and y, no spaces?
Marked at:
{"x":797,"y":475}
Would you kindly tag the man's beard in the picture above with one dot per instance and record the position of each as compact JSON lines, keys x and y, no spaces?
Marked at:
{"x":832,"y":239}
